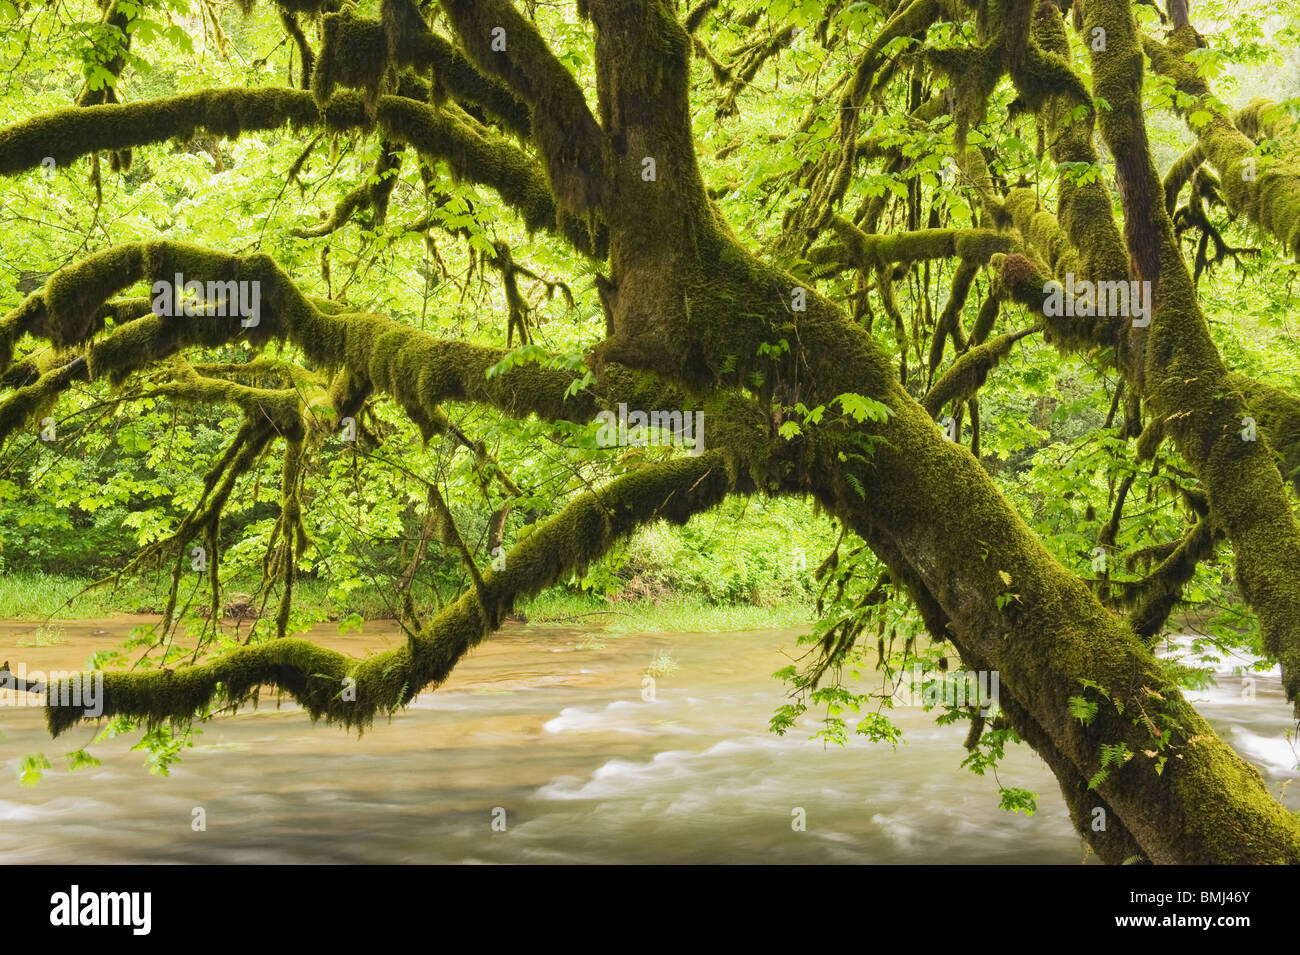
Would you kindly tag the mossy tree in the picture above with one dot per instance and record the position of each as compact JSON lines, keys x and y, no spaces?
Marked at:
{"x":771,"y":335}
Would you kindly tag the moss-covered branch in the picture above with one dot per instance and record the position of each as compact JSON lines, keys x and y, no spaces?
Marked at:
{"x":1183,"y":376}
{"x":1153,"y":598}
{"x":1263,"y":188}
{"x":867,"y":252}
{"x":967,"y":374}
{"x":474,"y":152}
{"x":419,"y":370}
{"x":502,"y":43}
{"x":352,"y":692}
{"x":68,"y":134}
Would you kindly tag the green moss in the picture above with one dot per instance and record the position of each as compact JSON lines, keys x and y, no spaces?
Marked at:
{"x":67,"y":134}
{"x":412,"y":43}
{"x":1277,"y":416}
{"x":30,"y":316}
{"x":969,"y":372}
{"x":949,"y":322}
{"x":75,"y":294}
{"x":1153,"y":598}
{"x":315,"y":676}
{"x":987,"y":317}
{"x":1184,"y":378}
{"x":354,"y":53}
{"x":474,"y":154}
{"x":31,"y":401}
{"x":1271,"y":196}
{"x":571,"y":144}
{"x":867,"y":252}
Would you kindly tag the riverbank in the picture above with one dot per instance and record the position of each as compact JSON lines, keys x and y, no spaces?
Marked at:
{"x":48,"y":599}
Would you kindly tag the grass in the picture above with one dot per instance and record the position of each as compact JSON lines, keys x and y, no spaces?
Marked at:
{"x":663,"y":665}
{"x":683,"y":613}
{"x":36,"y":596}
{"x":44,"y":637}
{"x":39,"y":596}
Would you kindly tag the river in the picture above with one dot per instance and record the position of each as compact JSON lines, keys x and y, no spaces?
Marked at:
{"x":541,"y":748}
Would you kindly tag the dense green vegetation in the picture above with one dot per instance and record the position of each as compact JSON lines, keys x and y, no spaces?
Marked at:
{"x":824,"y":225}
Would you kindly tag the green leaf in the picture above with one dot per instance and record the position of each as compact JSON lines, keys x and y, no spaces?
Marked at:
{"x":861,"y":408}
{"x":30,"y":769}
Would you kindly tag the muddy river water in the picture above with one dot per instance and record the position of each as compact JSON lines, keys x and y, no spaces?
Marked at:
{"x":541,"y":748}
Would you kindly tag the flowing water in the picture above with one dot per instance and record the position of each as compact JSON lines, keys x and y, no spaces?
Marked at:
{"x":541,"y":748}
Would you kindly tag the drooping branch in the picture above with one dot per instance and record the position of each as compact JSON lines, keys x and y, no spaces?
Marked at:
{"x":372,"y":193}
{"x":472,"y":150}
{"x":967,"y":374}
{"x":352,"y":692}
{"x":1152,"y":599}
{"x":743,"y":71}
{"x":949,"y":322}
{"x":306,"y":56}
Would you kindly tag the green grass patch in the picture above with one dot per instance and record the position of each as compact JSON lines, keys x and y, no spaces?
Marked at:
{"x":27,"y":595}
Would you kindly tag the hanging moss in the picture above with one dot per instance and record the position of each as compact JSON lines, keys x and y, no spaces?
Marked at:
{"x":571,"y":144}
{"x":1153,"y":598}
{"x":969,"y":372}
{"x":297,"y":7}
{"x":412,"y":43}
{"x":67,"y":134}
{"x":31,"y":401}
{"x":1024,"y":278}
{"x":473,"y":154}
{"x":27,"y":317}
{"x":314,"y":676}
{"x":282,"y":409}
{"x":1184,"y":378}
{"x":118,"y":19}
{"x":354,"y":53}
{"x":1180,"y":173}
{"x":1271,"y":196}
{"x":972,"y":75}
{"x":306,"y":55}
{"x":417,"y":369}
{"x":372,"y":193}
{"x":866,"y":252}
{"x":1084,"y":209}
